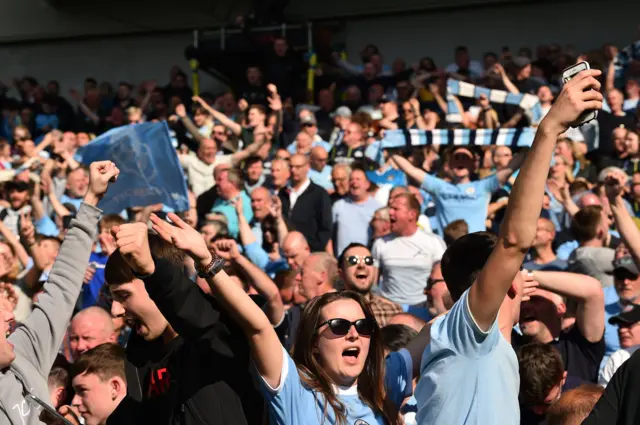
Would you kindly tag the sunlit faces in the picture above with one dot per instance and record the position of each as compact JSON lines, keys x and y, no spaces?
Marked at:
{"x":95,"y":398}
{"x":132,"y":301}
{"x":343,"y":357}
{"x":358,"y":185}
{"x":359,"y":276}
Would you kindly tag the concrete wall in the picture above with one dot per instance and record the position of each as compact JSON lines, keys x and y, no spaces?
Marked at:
{"x":585,"y":25}
{"x":131,"y":58}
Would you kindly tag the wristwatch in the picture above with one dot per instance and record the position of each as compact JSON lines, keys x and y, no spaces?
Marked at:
{"x":211,"y":269}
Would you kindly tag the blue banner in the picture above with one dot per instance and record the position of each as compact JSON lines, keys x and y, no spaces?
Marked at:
{"x":150,"y":172}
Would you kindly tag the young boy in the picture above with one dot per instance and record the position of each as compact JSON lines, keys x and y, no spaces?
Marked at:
{"x":99,"y":382}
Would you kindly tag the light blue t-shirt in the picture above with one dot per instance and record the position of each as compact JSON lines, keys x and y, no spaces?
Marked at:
{"x":468,"y":377}
{"x":352,"y":221}
{"x":292,"y":403}
{"x":225,"y":207}
{"x":322,"y":178}
{"x":468,"y":201}
{"x":65,"y":199}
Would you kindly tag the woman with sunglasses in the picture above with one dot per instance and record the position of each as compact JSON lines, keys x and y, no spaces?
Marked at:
{"x":336,"y":372}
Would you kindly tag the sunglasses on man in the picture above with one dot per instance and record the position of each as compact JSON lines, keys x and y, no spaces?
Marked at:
{"x":354,"y":260}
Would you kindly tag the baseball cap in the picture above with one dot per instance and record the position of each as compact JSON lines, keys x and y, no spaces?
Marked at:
{"x":627,"y":318}
{"x":627,"y":264}
{"x":384,"y":99}
{"x":308,"y":120}
{"x":521,"y":61}
{"x":342,"y":111}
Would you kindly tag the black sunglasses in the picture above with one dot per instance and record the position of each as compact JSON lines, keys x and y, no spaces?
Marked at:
{"x":341,"y":327}
{"x":431,"y":282}
{"x":353,"y":260}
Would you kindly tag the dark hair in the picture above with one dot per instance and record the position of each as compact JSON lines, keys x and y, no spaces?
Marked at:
{"x":105,"y":360}
{"x":463,"y":260}
{"x":541,"y":369}
{"x":351,"y":245}
{"x":59,"y":377}
{"x":251,"y":160}
{"x":371,"y":388}
{"x":117,"y":271}
{"x":574,"y":405}
{"x":584,"y":225}
{"x":455,"y":230}
{"x":395,"y":337}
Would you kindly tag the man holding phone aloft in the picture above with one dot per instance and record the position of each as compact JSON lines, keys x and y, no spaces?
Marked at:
{"x":28,"y":354}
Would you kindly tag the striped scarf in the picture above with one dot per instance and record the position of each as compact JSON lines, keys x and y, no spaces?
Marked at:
{"x":530,"y":103}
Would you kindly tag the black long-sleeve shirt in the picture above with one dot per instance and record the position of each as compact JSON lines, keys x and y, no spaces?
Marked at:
{"x":202,"y":376}
{"x":311,"y":215}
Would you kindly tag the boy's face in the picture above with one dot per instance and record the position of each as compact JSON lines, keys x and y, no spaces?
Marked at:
{"x":94,"y":398}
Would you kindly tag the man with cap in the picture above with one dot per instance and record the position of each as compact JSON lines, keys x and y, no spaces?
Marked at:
{"x":628,"y":324}
{"x":619,"y":298}
{"x":309,"y":125}
{"x":353,"y":145}
{"x":522,"y":71}
{"x":461,"y":198}
{"x":341,"y":118}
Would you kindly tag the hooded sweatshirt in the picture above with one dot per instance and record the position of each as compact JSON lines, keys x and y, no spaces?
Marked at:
{"x":37,"y":340}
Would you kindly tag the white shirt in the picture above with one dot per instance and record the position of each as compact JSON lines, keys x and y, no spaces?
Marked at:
{"x":199,"y":174}
{"x":615,"y":361}
{"x":295,"y":194}
{"x":405,"y":264}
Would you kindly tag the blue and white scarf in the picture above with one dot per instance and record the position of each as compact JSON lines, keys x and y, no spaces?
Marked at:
{"x":529,"y":102}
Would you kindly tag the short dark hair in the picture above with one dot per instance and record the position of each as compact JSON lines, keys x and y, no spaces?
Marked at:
{"x":541,"y":369}
{"x":395,"y":337}
{"x":463,"y":260}
{"x":59,"y":376}
{"x":584,"y":225}
{"x":105,"y":360}
{"x":455,"y":230}
{"x":251,"y":160}
{"x":117,"y":271}
{"x":351,"y":245}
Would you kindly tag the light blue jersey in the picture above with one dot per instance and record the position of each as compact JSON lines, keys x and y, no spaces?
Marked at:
{"x":351,"y":221}
{"x":468,"y":201}
{"x":229,"y":210}
{"x":292,"y":403}
{"x":468,"y":377}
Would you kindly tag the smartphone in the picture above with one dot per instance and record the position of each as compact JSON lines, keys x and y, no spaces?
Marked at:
{"x":37,"y":403}
{"x":567,"y":75}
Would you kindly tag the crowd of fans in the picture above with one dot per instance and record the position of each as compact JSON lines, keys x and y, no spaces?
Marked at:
{"x":309,"y":283}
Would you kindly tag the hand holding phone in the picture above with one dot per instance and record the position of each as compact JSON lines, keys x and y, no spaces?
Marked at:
{"x":567,"y":75}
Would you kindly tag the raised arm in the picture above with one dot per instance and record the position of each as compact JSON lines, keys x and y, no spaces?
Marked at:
{"x":515,"y":164}
{"x":250,"y":150}
{"x":587,"y":291}
{"x":182,"y":303}
{"x":224,"y":120}
{"x":614,"y":187}
{"x":228,"y":250}
{"x":181,"y":112}
{"x":409,"y":169}
{"x":505,"y":79}
{"x":38,"y":340}
{"x":13,"y":240}
{"x":263,"y":340}
{"x":519,"y":227}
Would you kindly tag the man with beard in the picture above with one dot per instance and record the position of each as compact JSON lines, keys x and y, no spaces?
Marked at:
{"x":462,"y":199}
{"x":357,"y":272}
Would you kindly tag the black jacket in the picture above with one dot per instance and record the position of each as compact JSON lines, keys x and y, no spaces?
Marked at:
{"x":203,"y":377}
{"x":620,"y":402}
{"x":311,"y":215}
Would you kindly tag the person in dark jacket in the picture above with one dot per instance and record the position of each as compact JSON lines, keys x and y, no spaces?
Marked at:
{"x":186,"y":360}
{"x":620,"y":402}
{"x":307,"y":205}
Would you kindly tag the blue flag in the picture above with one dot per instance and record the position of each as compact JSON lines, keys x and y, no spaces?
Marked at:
{"x":150,"y":172}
